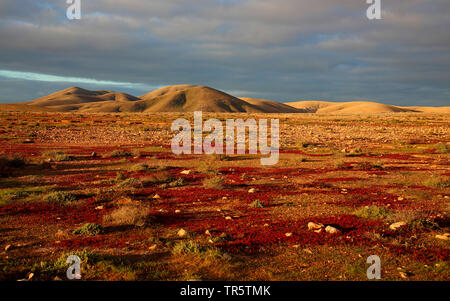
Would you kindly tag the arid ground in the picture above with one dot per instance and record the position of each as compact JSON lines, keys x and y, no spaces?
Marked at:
{"x":107,"y":187}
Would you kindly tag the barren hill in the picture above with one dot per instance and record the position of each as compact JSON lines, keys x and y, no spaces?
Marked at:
{"x":189,"y":98}
{"x":356,"y":107}
{"x":269,"y":106}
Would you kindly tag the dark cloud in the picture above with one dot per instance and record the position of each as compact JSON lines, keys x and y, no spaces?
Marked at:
{"x":284,"y":49}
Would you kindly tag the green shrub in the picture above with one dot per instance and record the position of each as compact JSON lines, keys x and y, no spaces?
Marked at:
{"x":372,"y":212}
{"x":131,"y":183}
{"x":185,"y":247}
{"x":213,"y":183}
{"x":257,"y":204}
{"x":118,"y":154}
{"x":158,"y":178}
{"x":178,"y":182}
{"x":89,"y":229}
{"x":437,"y":182}
{"x":56,"y":156}
{"x":8,"y":163}
{"x":139,"y":167}
{"x":60,"y":197}
{"x":442,"y":149}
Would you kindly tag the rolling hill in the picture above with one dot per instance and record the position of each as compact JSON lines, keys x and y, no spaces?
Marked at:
{"x":180,"y":98}
{"x":357,"y":107}
{"x":189,"y":98}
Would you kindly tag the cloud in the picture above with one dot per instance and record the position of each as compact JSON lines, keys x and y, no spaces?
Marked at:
{"x":284,"y":49}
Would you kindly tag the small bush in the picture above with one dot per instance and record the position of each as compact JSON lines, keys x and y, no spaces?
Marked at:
{"x":120,"y":176}
{"x":56,"y":156}
{"x":307,"y":144}
{"x":158,"y":178}
{"x":89,"y":229}
{"x":213,"y":183}
{"x":139,"y":167}
{"x":128,"y":215}
{"x":178,"y":182}
{"x":368,"y":166}
{"x":186,"y":247}
{"x":437,"y":182}
{"x":442,"y":149}
{"x":8,"y":163}
{"x":131,"y":183}
{"x":207,"y":167}
{"x":372,"y":212}
{"x":118,"y":154}
{"x":300,"y":159}
{"x":257,"y":204}
{"x":60,"y":197}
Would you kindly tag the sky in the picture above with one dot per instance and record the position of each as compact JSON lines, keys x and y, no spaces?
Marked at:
{"x":284,"y":50}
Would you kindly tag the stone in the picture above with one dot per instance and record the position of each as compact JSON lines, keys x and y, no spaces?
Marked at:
{"x":397,"y":225}
{"x":7,"y":247}
{"x":185,"y":172}
{"x":331,"y":230}
{"x":182,"y":233}
{"x":445,"y":236}
{"x":228,"y":218}
{"x":177,"y":211}
{"x":99,"y":208}
{"x":314,"y":226}
{"x":288,"y":234}
{"x":251,"y":190}
{"x":156,"y":196}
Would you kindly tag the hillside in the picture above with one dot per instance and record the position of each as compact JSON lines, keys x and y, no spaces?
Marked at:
{"x":324,"y":107}
{"x":189,"y":98}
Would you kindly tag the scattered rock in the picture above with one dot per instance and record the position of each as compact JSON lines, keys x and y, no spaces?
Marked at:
{"x":251,"y":190}
{"x":288,"y":234}
{"x":404,"y":275}
{"x":156,"y":196}
{"x":207,"y":232}
{"x":396,"y":226}
{"x":331,"y":230}
{"x":99,"y":208}
{"x":445,"y":236}
{"x":177,"y":211}
{"x":185,"y":172}
{"x":182,"y":233}
{"x":228,"y":218}
{"x":7,"y":247}
{"x":152,"y":247}
{"x":307,"y":251}
{"x":94,"y":154}
{"x":314,"y":226}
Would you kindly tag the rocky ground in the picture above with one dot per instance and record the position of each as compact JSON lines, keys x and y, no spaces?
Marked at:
{"x":107,"y":188}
